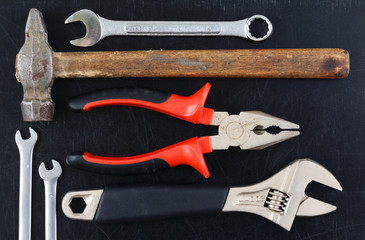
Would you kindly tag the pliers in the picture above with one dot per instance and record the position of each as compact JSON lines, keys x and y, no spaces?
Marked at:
{"x":252,"y":130}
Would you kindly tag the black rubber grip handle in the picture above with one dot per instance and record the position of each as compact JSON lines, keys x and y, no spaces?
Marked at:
{"x":142,"y":94}
{"x":189,"y":152}
{"x":77,"y":160}
{"x":189,"y":108}
{"x":147,"y":202}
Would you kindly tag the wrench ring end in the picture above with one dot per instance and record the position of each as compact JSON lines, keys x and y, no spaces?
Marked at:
{"x":259,"y":17}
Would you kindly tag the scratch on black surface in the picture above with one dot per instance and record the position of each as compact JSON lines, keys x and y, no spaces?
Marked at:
{"x":331,"y":230}
{"x":222,"y":170}
{"x":101,"y":230}
{"x":8,"y":35}
{"x":191,"y":226}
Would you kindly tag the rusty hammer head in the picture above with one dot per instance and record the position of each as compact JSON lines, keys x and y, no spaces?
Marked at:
{"x":34,"y":70}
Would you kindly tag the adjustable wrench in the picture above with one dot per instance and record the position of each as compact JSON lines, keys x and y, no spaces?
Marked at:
{"x":280,"y":198}
{"x":50,"y":178}
{"x":25,"y":147}
{"x":98,"y":28}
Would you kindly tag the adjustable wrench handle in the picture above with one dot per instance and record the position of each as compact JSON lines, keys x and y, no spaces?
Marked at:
{"x":125,"y":204}
{"x":50,"y":187}
{"x":190,"y":108}
{"x":189,"y":152}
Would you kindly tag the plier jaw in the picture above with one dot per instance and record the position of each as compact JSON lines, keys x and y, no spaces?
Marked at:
{"x":250,"y":130}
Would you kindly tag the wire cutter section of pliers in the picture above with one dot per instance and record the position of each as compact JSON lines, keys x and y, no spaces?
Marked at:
{"x":251,"y":130}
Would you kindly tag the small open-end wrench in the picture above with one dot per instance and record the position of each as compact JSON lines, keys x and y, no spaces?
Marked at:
{"x":50,"y":178}
{"x":98,"y":28}
{"x":280,"y":198}
{"x":25,"y":147}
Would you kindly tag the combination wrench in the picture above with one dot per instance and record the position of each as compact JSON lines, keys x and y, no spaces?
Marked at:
{"x":25,"y":147}
{"x":50,"y":178}
{"x":98,"y":28}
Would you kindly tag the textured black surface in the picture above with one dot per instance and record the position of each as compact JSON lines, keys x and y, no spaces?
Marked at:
{"x":147,"y":202}
{"x":78,"y":102}
{"x":330,"y":112}
{"x":77,"y":160}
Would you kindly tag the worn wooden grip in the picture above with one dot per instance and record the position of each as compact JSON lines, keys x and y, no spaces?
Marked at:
{"x":242,"y":63}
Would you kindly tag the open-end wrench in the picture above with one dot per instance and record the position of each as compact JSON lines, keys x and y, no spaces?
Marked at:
{"x":280,"y":198}
{"x":98,"y":28}
{"x":50,"y":178}
{"x":25,"y":147}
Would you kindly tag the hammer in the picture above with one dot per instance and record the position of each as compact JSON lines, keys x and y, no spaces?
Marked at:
{"x":37,"y":65}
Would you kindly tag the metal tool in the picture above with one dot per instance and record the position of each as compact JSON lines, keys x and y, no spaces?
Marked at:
{"x":279,"y":198}
{"x":248,"y":130}
{"x":98,"y":28}
{"x":50,"y":178}
{"x":37,"y":65}
{"x":25,"y":147}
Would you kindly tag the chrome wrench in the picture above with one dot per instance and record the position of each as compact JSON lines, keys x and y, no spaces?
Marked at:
{"x":280,"y":198}
{"x":50,"y":178}
{"x":25,"y":147}
{"x":98,"y":28}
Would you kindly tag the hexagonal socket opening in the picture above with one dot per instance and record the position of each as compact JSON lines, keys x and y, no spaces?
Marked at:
{"x":77,"y":205}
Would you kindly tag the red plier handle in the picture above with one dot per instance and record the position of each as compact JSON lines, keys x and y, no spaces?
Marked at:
{"x":189,"y":108}
{"x":189,"y":152}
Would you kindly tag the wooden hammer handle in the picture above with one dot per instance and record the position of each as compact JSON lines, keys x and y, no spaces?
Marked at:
{"x":242,"y":63}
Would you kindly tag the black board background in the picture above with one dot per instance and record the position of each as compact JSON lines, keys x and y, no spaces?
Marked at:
{"x":330,"y":112}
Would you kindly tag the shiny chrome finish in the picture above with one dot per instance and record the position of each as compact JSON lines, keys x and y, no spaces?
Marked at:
{"x":282,"y":197}
{"x":50,"y":178}
{"x":91,"y":198}
{"x":25,"y":147}
{"x":248,"y":130}
{"x":98,"y":28}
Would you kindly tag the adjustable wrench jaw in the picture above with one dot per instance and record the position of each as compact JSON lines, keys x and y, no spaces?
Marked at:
{"x":282,"y":197}
{"x":248,"y":130}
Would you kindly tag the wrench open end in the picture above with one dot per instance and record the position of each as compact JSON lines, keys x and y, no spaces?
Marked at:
{"x":92,"y":25}
{"x":32,"y":139}
{"x":55,"y":172}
